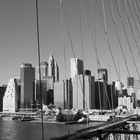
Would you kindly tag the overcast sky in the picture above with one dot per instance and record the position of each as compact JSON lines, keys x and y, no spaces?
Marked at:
{"x":18,"y":41}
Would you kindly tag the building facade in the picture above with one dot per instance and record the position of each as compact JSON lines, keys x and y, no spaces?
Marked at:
{"x":11,"y":99}
{"x":76,"y":67}
{"x":2,"y":92}
{"x":83,"y":96}
{"x":63,"y":94}
{"x":49,"y":75}
{"x":27,"y":76}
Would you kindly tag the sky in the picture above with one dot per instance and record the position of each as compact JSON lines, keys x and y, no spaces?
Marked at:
{"x":18,"y":39}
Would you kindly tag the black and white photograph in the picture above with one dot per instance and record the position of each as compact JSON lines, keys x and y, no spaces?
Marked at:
{"x":70,"y":70}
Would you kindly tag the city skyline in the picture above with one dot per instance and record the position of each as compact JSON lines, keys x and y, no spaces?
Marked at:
{"x":19,"y":43}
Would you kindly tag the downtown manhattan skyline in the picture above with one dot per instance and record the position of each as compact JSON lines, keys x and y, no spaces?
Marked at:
{"x":19,"y":40}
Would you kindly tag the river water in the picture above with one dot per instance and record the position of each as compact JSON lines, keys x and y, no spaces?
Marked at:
{"x":16,"y":130}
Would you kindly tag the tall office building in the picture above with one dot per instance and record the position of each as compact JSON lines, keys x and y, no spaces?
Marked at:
{"x":63,"y":94}
{"x":103,"y":74}
{"x":76,"y":66}
{"x":49,"y":75}
{"x":27,"y":75}
{"x":130,"y":86}
{"x":83,"y":99}
{"x":44,"y":70}
{"x":101,"y":95}
{"x":53,"y":70}
{"x":112,"y":95}
{"x":11,"y":99}
{"x":2,"y":92}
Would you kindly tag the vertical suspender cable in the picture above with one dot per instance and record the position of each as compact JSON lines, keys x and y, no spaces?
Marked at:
{"x":107,"y":40}
{"x":95,"y":50}
{"x":81,"y":35}
{"x":40,"y":86}
{"x":64,"y":54}
{"x":98,"y":63}
{"x":71,"y":44}
{"x":106,"y":33}
{"x":117,"y":34}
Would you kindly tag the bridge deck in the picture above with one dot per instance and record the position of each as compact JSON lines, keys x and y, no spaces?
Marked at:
{"x":95,"y":130}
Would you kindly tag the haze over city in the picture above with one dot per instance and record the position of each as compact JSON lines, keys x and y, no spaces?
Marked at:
{"x":19,"y":42}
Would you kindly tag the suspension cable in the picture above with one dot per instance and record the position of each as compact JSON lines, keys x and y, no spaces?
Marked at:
{"x":72,"y":47}
{"x":133,"y":19}
{"x":98,"y":63}
{"x":95,"y":49}
{"x":40,"y":84}
{"x":117,"y":34}
{"x":135,"y":12}
{"x":81,"y":36}
{"x":107,"y":40}
{"x":128,"y":41}
{"x":128,"y":19}
{"x":137,"y":5}
{"x":64,"y":55}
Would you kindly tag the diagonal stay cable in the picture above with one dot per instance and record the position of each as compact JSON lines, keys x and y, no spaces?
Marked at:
{"x":132,"y":31}
{"x":117,"y":34}
{"x":128,"y":41}
{"x":71,"y":44}
{"x":90,"y":31}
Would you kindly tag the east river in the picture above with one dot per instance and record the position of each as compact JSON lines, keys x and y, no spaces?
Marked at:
{"x":16,"y":130}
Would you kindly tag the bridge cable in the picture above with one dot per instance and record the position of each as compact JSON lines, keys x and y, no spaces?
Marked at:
{"x":98,"y":66}
{"x":95,"y":49}
{"x":137,"y":5}
{"x":107,"y":40}
{"x":103,"y":26}
{"x":128,"y":41}
{"x":134,"y":8}
{"x":71,"y":44}
{"x":136,"y":26}
{"x":64,"y":55}
{"x":117,"y":34}
{"x":81,"y":36}
{"x":132,"y":31}
{"x":38,"y":47}
{"x":128,"y":19}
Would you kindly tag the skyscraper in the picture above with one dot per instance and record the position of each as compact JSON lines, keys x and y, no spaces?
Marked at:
{"x":63,"y":94}
{"x":83,"y":100}
{"x":44,"y":70}
{"x":53,"y":70}
{"x":27,"y":75}
{"x":103,"y":74}
{"x":11,"y":98}
{"x":76,"y":66}
{"x":2,"y":93}
{"x":49,"y":75}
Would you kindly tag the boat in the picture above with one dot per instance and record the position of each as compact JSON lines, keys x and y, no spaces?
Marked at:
{"x":16,"y":117}
{"x":98,"y":118}
{"x":26,"y":118}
